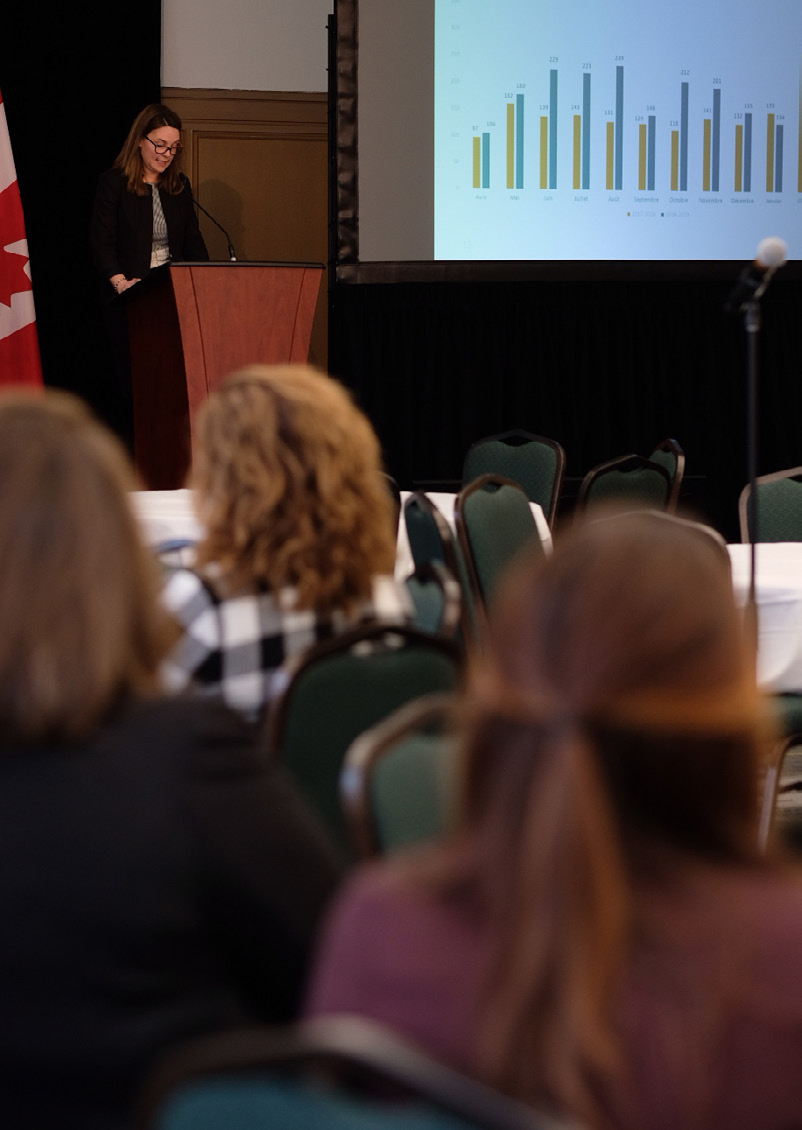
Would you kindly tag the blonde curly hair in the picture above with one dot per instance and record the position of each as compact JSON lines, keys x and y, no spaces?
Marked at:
{"x":289,"y":488}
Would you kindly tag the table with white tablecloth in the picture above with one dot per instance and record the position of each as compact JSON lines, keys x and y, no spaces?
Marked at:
{"x":778,"y":588}
{"x":168,"y":514}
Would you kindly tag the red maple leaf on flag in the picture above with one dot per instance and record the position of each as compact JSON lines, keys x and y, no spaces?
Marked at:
{"x":13,"y":249}
{"x":20,"y":362}
{"x":13,"y":278}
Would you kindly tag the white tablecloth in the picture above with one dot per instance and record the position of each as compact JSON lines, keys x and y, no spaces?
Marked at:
{"x":167,"y":514}
{"x":778,"y":587}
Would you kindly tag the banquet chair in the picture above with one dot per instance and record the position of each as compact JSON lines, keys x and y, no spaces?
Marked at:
{"x":779,"y":498}
{"x":494,"y":523}
{"x":397,"y":778}
{"x":669,"y":454}
{"x":431,"y":539}
{"x":331,"y":1073}
{"x":343,"y":686}
{"x":630,"y":481}
{"x":536,"y":463}
{"x":436,"y":597}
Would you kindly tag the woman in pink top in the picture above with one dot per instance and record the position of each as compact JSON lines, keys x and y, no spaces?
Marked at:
{"x":600,"y":933}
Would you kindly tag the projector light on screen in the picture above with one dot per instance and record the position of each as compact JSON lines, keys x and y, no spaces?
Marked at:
{"x":575,"y":129}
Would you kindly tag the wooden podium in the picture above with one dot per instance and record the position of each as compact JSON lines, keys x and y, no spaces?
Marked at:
{"x":189,"y":325}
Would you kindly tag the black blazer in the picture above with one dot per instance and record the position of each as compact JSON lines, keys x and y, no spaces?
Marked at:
{"x":122,"y":228}
{"x":159,"y":882}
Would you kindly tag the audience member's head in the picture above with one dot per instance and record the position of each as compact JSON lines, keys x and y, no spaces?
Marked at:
{"x":81,"y":626}
{"x":289,"y":487}
{"x":615,"y":744}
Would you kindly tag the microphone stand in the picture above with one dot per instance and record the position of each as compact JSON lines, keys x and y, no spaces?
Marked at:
{"x":752,"y":325}
{"x":231,"y":254}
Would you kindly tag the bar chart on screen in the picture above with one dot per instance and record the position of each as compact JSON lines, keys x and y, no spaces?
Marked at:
{"x":569,"y":129}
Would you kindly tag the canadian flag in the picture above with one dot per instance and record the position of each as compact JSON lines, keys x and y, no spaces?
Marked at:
{"x":19,"y":346}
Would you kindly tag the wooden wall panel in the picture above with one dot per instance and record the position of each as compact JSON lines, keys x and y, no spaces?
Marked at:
{"x":258,"y":161}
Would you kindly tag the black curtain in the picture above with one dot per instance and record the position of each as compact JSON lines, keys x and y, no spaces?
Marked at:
{"x":606,"y":368}
{"x":73,"y":78}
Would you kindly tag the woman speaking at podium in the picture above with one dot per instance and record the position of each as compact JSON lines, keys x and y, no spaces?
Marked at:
{"x":143,"y":217}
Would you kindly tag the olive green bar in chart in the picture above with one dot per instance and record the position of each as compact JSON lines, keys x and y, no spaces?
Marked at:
{"x":707,"y":145}
{"x":577,"y":151}
{"x":477,"y":162}
{"x":799,"y":158}
{"x":739,"y":158}
{"x":510,"y":145}
{"x":675,"y":160}
{"x":610,"y":162}
{"x":642,"y":139}
{"x":544,"y":152}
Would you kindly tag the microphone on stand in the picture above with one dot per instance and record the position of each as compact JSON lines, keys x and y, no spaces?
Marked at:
{"x":745,"y":299}
{"x":185,"y":181}
{"x":772,"y":253}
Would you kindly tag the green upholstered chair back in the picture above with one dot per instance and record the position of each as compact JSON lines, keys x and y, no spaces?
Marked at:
{"x":332,"y":1073}
{"x":397,"y":782}
{"x":436,"y":597}
{"x":779,"y":508}
{"x":535,"y":462}
{"x":431,"y":540}
{"x":630,"y":481}
{"x":494,"y":523}
{"x":341,"y":688}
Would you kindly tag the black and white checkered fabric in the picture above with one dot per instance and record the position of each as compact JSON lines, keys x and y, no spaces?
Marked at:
{"x":234,"y":646}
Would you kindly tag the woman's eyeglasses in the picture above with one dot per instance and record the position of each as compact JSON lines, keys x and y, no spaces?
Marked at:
{"x":162,"y":147}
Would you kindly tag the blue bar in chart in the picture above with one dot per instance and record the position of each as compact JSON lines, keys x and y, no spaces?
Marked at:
{"x":778,"y":160}
{"x":619,"y":128}
{"x":586,"y":131}
{"x":553,"y":129}
{"x":683,"y":138}
{"x":716,"y":136}
{"x":747,"y":152}
{"x":519,"y":141}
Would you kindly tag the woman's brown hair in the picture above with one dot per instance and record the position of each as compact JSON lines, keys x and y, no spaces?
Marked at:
{"x":82,"y":627}
{"x":129,"y":159}
{"x":615,"y":730}
{"x":289,"y":488}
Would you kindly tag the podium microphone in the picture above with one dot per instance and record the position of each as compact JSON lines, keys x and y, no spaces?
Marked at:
{"x":772,"y":253}
{"x":185,"y":181}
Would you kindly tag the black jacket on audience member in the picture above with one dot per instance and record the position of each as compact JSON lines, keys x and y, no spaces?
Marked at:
{"x":160,"y":881}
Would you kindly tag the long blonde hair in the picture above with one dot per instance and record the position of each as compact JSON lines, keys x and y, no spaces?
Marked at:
{"x":82,"y":628}
{"x":289,"y":487}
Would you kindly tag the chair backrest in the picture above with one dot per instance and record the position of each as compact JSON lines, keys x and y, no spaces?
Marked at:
{"x":669,"y":454}
{"x":342,"y":687}
{"x":431,"y":539}
{"x":429,"y":534}
{"x":629,"y":481}
{"x":397,"y":778}
{"x":779,"y":504}
{"x":535,"y":462}
{"x":494,"y":523}
{"x":436,"y":597}
{"x":333,"y":1073}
